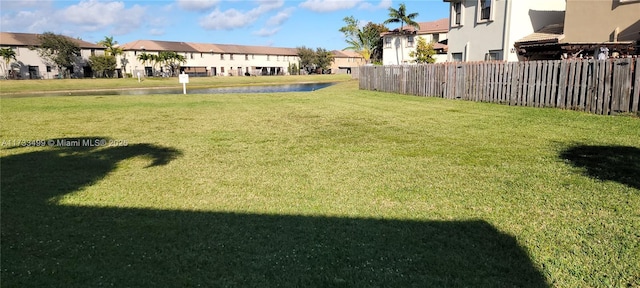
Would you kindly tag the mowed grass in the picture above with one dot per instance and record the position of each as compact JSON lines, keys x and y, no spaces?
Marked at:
{"x":331,"y":188}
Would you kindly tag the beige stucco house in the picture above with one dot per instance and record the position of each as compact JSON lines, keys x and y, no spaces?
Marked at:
{"x":481,"y":30}
{"x":603,"y":28}
{"x":344,"y":62}
{"x":399,"y":43}
{"x":206,"y":59}
{"x":29,"y":65}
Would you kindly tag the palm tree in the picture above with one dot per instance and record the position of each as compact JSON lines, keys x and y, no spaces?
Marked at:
{"x":172,"y":60}
{"x":361,"y":44}
{"x":401,"y":16}
{"x":112,"y":46}
{"x":363,"y":40}
{"x":144,"y":58}
{"x":7,"y":55}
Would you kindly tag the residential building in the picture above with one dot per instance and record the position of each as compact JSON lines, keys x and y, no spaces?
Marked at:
{"x":604,"y":28}
{"x":29,"y":65}
{"x":399,"y":43}
{"x":482,"y":30}
{"x":201,"y":59}
{"x":204,"y":59}
{"x":344,"y":62}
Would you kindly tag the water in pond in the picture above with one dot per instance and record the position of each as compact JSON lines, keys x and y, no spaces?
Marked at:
{"x":304,"y":87}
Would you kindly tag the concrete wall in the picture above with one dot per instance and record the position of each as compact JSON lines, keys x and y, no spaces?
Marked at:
{"x":29,"y":65}
{"x":346,"y":62}
{"x":393,"y":54}
{"x":598,"y":21}
{"x":227,"y":66}
{"x":510,"y":20}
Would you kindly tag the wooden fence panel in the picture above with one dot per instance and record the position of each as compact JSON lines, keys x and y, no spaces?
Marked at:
{"x":635,"y":98}
{"x":595,"y":86}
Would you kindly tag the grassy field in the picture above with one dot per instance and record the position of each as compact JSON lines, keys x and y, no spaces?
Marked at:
{"x":331,"y":188}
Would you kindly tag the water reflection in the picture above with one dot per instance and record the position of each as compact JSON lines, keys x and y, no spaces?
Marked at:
{"x":303,"y":87}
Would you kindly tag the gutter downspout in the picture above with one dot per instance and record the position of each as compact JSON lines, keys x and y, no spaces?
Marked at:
{"x":507,"y":31}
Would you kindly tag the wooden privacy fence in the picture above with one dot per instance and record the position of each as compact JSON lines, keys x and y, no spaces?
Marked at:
{"x":596,"y":86}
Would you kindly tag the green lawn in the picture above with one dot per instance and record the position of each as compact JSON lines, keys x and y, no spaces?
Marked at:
{"x":332,"y":188}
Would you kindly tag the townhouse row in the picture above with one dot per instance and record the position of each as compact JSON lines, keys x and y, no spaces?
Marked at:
{"x":202,"y":59}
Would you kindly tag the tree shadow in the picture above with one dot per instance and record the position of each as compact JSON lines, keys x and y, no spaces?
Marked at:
{"x":50,"y":245}
{"x":615,"y":163}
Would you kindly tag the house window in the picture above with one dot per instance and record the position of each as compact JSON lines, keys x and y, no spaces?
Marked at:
{"x":48,"y":68}
{"x":485,"y":10}
{"x":230,"y":56}
{"x":456,"y":57}
{"x":191,"y":55}
{"x":93,"y":52}
{"x":409,"y":41}
{"x":222,"y":70}
{"x":222,"y":58}
{"x":436,"y":37}
{"x":456,"y":14}
{"x":246,"y":56}
{"x":267,"y":57}
{"x":387,"y":42}
{"x":492,"y":55}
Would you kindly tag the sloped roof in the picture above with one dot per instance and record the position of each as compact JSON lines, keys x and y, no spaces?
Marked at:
{"x":155,"y":45}
{"x":430,"y":27}
{"x":30,"y":39}
{"x":345,"y":54}
{"x":549,"y":33}
{"x":440,"y":46}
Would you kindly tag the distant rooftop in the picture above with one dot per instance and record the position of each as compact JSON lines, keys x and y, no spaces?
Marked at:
{"x":30,"y":39}
{"x":438,"y":26}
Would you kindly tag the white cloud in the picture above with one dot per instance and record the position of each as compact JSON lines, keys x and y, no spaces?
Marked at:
{"x":264,"y":32}
{"x":197,"y":5}
{"x":329,"y":5}
{"x":31,"y":16}
{"x":95,"y":15}
{"x":384,"y":4}
{"x":281,"y":17}
{"x":231,"y":19}
{"x":25,"y":21}
{"x":227,"y":20}
{"x":268,"y":5}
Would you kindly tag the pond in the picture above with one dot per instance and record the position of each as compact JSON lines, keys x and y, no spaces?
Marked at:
{"x":301,"y":87}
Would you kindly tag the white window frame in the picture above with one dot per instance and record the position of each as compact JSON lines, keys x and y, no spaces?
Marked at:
{"x":453,"y":59}
{"x":492,"y":6}
{"x":453,"y":14}
{"x":497,"y":53}
{"x":412,"y":42}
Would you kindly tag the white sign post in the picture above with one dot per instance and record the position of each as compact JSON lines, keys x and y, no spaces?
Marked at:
{"x":138,"y":77}
{"x":184,"y":79}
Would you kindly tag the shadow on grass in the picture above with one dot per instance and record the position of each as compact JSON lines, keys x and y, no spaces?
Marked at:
{"x":49,"y":245}
{"x":614,"y":163}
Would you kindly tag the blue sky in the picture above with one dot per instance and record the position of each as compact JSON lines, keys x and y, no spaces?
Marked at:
{"x":280,"y":23}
